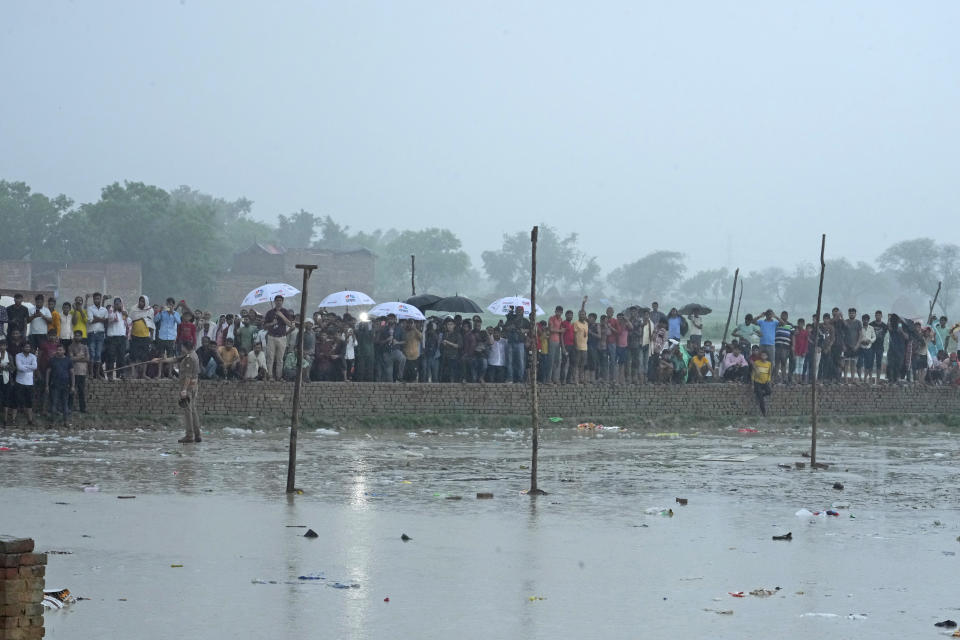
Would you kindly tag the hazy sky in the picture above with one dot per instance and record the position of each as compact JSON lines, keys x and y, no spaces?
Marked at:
{"x":736,"y":132}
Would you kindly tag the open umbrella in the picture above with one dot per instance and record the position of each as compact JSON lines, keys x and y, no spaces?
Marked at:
{"x":402,"y":310}
{"x":267,"y":292}
{"x":694,"y":309}
{"x":456,"y":304}
{"x":346,"y":299}
{"x":424,"y":301}
{"x":502,"y":306}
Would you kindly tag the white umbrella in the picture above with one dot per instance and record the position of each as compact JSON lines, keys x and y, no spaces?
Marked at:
{"x":502,"y":306}
{"x":268,"y":292}
{"x":402,"y":310}
{"x":346,"y":299}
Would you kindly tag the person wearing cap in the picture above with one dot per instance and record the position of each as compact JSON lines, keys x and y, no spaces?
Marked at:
{"x":189,"y":386}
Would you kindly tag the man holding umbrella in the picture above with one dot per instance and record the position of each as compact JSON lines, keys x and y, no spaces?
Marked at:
{"x":277,"y":322}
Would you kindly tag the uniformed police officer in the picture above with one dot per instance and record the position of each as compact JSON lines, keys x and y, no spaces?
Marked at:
{"x":189,"y":378}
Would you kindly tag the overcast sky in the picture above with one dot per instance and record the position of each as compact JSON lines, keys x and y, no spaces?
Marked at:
{"x":736,"y":132}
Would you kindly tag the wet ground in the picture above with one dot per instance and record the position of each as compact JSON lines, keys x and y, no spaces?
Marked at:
{"x":886,"y":567}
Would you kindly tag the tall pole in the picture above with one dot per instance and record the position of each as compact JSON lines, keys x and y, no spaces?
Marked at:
{"x":816,"y":362}
{"x":736,"y":318}
{"x":534,"y":401}
{"x":933,"y":302}
{"x":413,"y":274}
{"x":295,"y":415}
{"x":733,"y":293}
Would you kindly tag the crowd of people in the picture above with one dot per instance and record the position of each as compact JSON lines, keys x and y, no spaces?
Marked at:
{"x":47,"y":354}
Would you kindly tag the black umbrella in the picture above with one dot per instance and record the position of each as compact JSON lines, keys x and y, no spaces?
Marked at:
{"x":638,"y":309}
{"x":456,"y":304}
{"x":423,"y":301}
{"x":694,"y":309}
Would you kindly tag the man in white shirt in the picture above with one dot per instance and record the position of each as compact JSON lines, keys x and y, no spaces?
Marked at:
{"x":39,"y":322}
{"x":6,"y":386}
{"x":115,"y":345}
{"x":497,"y":358}
{"x":23,"y":387}
{"x":256,"y":363}
{"x":96,"y":334}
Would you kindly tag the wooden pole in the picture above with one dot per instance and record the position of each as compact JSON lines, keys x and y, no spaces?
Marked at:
{"x":413,"y":274}
{"x":933,"y":302}
{"x":733,"y":293}
{"x":736,"y":318}
{"x":298,"y":381}
{"x":814,"y":408}
{"x":534,"y":401}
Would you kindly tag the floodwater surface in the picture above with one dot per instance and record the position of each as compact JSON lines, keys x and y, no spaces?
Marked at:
{"x":593,"y":558}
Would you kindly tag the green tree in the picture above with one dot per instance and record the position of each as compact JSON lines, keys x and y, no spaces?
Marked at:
{"x":334,"y":236}
{"x":711,"y":284}
{"x":651,"y":277}
{"x":441,"y":263}
{"x":175,"y":242}
{"x":296,"y":231}
{"x":236,"y":231}
{"x":920,"y":263}
{"x":29,"y":222}
{"x":561,"y":265}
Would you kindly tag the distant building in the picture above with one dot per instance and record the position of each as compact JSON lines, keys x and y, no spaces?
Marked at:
{"x":66,"y":280}
{"x":263,"y":263}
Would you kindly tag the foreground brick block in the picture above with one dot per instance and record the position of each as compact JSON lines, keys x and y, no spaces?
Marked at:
{"x":9,"y":544}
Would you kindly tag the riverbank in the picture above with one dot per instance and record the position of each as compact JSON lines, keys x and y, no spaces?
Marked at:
{"x":146,"y":404}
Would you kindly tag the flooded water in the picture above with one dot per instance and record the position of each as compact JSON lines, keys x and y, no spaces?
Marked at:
{"x":587,"y":560}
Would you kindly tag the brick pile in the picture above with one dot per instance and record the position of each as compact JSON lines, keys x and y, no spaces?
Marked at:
{"x":21,"y":589}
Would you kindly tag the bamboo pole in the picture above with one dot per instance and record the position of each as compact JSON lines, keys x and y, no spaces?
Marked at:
{"x":816,"y":362}
{"x":736,"y":318}
{"x":413,"y":274}
{"x":933,"y":302}
{"x":534,"y":401}
{"x":733,"y":293}
{"x":298,"y":381}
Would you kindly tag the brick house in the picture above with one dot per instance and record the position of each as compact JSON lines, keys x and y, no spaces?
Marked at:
{"x":66,"y":280}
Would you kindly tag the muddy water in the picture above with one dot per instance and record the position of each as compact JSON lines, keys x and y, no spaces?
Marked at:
{"x":601,"y":563}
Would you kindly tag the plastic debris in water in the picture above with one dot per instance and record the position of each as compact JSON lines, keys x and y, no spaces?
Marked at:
{"x":536,"y":598}
{"x":341,"y":585}
{"x":312,"y":576}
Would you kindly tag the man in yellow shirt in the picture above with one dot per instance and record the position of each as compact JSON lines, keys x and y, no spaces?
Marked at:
{"x":699,"y":367}
{"x":580,"y":333}
{"x":761,"y":380}
{"x":231,"y":360}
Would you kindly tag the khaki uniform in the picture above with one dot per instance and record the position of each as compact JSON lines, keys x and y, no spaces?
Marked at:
{"x":189,"y":375}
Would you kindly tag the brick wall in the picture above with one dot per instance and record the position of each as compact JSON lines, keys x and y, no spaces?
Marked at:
{"x":341,"y":401}
{"x":21,"y":589}
{"x":15,"y":275}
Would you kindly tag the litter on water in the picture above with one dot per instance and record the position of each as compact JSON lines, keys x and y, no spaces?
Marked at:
{"x":737,"y":458}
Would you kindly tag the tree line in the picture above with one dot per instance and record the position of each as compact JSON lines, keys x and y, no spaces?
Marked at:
{"x":184,"y":239}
